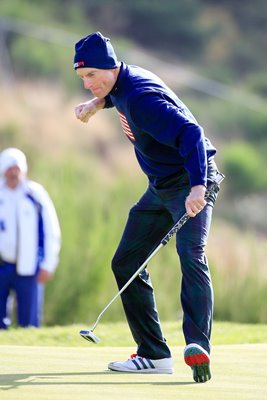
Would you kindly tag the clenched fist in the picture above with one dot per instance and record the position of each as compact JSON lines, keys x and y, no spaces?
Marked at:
{"x":84,"y":111}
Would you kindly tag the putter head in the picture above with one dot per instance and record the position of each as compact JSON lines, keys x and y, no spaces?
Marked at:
{"x":90,"y":336}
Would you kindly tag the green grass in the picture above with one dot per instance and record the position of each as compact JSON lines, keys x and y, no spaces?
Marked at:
{"x":117,"y":334}
{"x":68,"y":373}
{"x":55,"y":363}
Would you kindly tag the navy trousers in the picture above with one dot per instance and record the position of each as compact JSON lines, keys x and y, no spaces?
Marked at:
{"x":25,"y":288}
{"x":148,"y":221}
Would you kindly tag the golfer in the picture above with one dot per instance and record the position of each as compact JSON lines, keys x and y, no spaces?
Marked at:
{"x":178,"y":160}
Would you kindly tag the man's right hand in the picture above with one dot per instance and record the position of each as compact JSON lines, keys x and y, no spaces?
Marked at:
{"x":84,"y":111}
{"x":195,"y":201}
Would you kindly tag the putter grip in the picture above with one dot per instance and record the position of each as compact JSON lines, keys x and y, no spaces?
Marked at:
{"x":210,"y":190}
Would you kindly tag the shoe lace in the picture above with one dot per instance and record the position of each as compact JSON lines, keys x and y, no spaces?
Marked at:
{"x":134,"y":355}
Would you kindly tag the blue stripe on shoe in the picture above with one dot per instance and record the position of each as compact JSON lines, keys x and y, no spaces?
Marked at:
{"x":150,"y":363}
{"x":136,"y":364}
{"x":143,"y":363}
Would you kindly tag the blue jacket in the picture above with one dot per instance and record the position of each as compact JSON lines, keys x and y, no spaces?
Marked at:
{"x":166,"y":136}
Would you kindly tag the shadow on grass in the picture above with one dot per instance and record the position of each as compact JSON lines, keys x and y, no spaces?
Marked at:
{"x":14,"y":381}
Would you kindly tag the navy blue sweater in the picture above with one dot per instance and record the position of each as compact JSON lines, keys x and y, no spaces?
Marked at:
{"x":166,"y":136}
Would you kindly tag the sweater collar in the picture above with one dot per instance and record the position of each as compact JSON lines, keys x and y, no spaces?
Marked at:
{"x":116,"y":87}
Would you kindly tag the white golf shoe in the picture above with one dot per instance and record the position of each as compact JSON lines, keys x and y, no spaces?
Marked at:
{"x":142,"y":365}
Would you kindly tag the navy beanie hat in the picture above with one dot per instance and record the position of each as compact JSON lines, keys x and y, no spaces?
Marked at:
{"x":95,"y":51}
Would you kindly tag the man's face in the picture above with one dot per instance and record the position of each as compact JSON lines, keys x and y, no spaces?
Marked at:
{"x":99,"y":81}
{"x":13,"y":177}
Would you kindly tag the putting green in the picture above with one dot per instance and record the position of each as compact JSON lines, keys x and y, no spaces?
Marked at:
{"x":70,"y":373}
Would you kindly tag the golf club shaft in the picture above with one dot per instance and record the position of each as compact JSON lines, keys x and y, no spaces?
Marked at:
{"x":163,"y":242}
{"x":140,"y":269}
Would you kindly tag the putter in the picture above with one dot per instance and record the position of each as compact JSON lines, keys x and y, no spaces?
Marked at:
{"x":89,"y":334}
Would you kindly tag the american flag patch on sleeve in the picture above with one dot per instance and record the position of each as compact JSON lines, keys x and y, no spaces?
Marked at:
{"x":125,"y":126}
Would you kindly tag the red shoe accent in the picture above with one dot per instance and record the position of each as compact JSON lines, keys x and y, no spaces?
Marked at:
{"x":196,"y":359}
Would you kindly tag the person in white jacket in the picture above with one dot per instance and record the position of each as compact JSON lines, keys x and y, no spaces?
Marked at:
{"x":30,"y":240}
